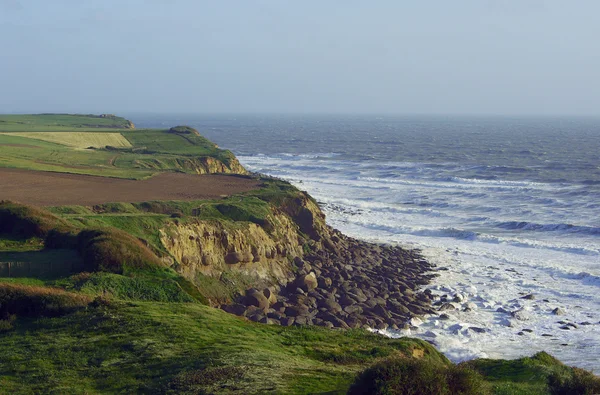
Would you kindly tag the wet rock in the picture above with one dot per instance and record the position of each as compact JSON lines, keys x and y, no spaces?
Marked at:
{"x":447,"y":306}
{"x":477,"y":329}
{"x":528,"y":297}
{"x":521,"y":315}
{"x":558,"y":311}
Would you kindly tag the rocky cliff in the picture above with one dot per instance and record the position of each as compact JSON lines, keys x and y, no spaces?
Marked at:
{"x":291,"y":268}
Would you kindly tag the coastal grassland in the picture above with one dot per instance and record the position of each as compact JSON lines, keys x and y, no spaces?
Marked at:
{"x":31,"y":154}
{"x":60,"y":122}
{"x":133,"y":155}
{"x":78,"y":139}
{"x":184,"y":347}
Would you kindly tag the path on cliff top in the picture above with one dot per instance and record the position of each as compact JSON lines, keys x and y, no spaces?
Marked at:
{"x":58,"y":189}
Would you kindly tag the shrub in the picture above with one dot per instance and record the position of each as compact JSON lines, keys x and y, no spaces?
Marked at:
{"x":577,"y":381}
{"x":32,"y":301}
{"x":184,"y":130}
{"x":113,"y":250}
{"x":417,"y":376}
{"x":23,"y":221}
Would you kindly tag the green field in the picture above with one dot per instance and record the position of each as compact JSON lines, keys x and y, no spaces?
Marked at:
{"x":60,"y":122}
{"x":85,"y":145}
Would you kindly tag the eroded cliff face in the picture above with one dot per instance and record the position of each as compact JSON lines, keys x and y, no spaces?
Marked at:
{"x":201,"y":165}
{"x":208,"y":165}
{"x":212,"y":247}
{"x":263,"y":252}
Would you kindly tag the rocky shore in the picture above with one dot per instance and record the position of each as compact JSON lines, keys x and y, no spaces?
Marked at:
{"x":348,"y":284}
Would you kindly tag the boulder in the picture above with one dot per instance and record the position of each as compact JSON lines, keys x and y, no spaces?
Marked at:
{"x":307,"y":282}
{"x":236,"y":308}
{"x":330,"y":305}
{"x":558,"y":311}
{"x":256,"y":298}
{"x":270,"y":295}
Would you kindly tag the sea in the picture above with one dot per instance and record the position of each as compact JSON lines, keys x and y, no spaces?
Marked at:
{"x":505,"y":207}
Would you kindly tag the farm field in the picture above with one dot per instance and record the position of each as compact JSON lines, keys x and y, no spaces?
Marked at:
{"x":60,"y":122}
{"x":86,"y":145}
{"x":78,"y":139}
{"x":55,"y":189}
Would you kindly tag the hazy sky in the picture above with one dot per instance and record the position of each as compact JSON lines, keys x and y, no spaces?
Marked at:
{"x":321,"y":56}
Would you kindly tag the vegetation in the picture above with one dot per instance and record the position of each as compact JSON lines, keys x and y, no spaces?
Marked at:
{"x":418,"y":376}
{"x":61,"y":122}
{"x":54,"y":143}
{"x":78,"y":139}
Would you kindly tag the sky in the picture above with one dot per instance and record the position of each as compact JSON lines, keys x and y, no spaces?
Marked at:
{"x":508,"y":57}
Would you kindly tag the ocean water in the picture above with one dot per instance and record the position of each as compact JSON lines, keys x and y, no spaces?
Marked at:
{"x":505,"y":207}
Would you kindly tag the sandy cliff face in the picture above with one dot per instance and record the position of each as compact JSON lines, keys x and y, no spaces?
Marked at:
{"x":212,"y":247}
{"x":264,"y":252}
{"x":208,"y":165}
{"x":201,"y":165}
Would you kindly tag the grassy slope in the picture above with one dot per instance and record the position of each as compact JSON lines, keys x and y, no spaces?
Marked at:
{"x":156,"y":346}
{"x":152,"y":151}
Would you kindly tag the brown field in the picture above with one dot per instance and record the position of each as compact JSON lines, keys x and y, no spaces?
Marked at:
{"x":61,"y":189}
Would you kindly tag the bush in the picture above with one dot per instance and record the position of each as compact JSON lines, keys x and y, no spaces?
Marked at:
{"x":32,"y":301}
{"x":417,"y":376}
{"x":25,"y":222}
{"x":113,"y":250}
{"x":577,"y":381}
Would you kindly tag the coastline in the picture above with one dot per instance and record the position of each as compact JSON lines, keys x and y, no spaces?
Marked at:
{"x":349,"y":284}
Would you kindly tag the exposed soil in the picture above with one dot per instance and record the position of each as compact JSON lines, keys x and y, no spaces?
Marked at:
{"x":58,"y":189}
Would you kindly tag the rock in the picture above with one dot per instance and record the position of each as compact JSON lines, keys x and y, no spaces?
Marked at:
{"x":307,"y":282}
{"x":528,"y":297}
{"x":256,"y":298}
{"x":236,"y":308}
{"x":527,"y":330}
{"x":565,"y":327}
{"x":585,"y":323}
{"x":447,"y":306}
{"x":477,"y":329}
{"x":324,"y":282}
{"x":444,"y":317}
{"x":287,"y":321}
{"x":267,"y":320}
{"x":353,"y":309}
{"x":296,"y":311}
{"x":558,"y":311}
{"x":270,"y":295}
{"x":502,"y":310}
{"x":521,"y":315}
{"x":330,"y":305}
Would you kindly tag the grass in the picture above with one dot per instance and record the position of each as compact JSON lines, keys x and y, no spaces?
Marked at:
{"x":59,"y":122}
{"x":80,"y":140}
{"x":177,"y":347}
{"x":54,"y":142}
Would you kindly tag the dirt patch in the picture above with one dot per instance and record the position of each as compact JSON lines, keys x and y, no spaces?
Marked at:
{"x":60,"y":189}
